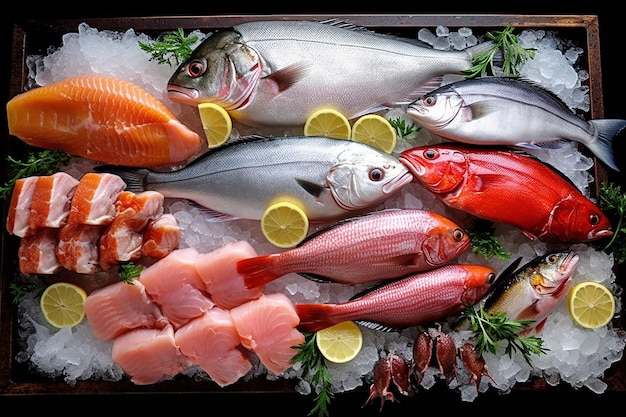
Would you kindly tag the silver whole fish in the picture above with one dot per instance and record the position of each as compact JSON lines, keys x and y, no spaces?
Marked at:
{"x":277,"y":73}
{"x":511,"y":111}
{"x":328,"y":178}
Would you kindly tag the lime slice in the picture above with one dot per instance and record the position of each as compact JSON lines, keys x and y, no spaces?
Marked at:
{"x":591,"y":304}
{"x":376,"y":131}
{"x":329,"y":123}
{"x":341,"y":342}
{"x":62,"y":304}
{"x":284,"y":224}
{"x":216,"y":123}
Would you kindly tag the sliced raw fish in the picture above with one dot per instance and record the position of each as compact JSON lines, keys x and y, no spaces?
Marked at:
{"x":77,"y":247}
{"x":94,"y":198}
{"x":149,"y":356}
{"x":176,"y":286}
{"x":267,"y":327}
{"x":161,"y":236}
{"x":218,"y":271}
{"x":212,"y":342}
{"x":36,"y":253}
{"x":121,"y":307}
{"x":18,"y":216}
{"x":51,"y":200}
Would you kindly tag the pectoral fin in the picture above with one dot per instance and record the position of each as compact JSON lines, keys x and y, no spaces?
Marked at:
{"x":287,"y":76}
{"x":314,"y":189}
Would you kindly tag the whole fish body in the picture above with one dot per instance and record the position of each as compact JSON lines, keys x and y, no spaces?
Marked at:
{"x":328,"y":178}
{"x":372,"y":247}
{"x":534,"y":290}
{"x":277,"y":73}
{"x":511,"y":111}
{"x":505,"y":186}
{"x":417,"y":299}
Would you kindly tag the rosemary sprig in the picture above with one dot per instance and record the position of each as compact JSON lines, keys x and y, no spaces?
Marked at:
{"x":42,"y":162}
{"x":173,"y":48}
{"x":484,"y":241}
{"x":490,"y":329}
{"x":613,"y":201}
{"x":513,"y":55}
{"x":130,"y":271}
{"x":313,"y":361}
{"x":402,"y":128}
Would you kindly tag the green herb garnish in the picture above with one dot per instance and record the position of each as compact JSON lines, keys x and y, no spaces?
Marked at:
{"x":173,"y":48}
{"x":313,"y":361}
{"x":43,"y":162}
{"x":485,"y":242}
{"x":490,"y":329}
{"x":613,"y":201}
{"x":402,"y":128}
{"x":513,"y":55}
{"x":20,"y":290}
{"x":130,"y":271}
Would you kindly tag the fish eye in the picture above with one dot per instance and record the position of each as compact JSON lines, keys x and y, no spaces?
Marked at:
{"x":196,"y":68}
{"x":377,"y":174}
{"x":458,"y":234}
{"x":429,"y":101}
{"x":491,"y":278}
{"x":552,"y":259}
{"x":594,"y":219}
{"x":431,"y":153}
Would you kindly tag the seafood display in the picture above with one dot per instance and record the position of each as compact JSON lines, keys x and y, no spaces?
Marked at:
{"x":391,"y":240}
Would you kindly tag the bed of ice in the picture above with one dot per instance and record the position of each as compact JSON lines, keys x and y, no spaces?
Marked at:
{"x":576,"y":356}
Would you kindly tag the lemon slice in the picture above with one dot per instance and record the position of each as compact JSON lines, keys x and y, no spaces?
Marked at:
{"x":284,"y":224}
{"x":329,"y":123}
{"x":216,"y":123}
{"x":376,"y":131}
{"x":62,"y":304}
{"x":340,"y":343}
{"x":591,"y":304}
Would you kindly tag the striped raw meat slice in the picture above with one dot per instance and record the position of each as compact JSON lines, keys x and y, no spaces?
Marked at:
{"x":18,"y":216}
{"x":161,"y":236}
{"x":51,"y":200}
{"x":77,"y":247}
{"x":174,"y":284}
{"x":212,"y":342}
{"x":149,"y":356}
{"x":36,"y":253}
{"x":94,"y":198}
{"x":218,"y":270}
{"x":121,"y":307}
{"x":267,"y":327}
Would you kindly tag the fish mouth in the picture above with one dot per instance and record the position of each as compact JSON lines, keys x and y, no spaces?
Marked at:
{"x":182,"y":94}
{"x":398,"y":182}
{"x":600,"y":234}
{"x":414,"y":167}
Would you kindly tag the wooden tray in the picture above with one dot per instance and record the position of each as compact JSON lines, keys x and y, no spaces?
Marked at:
{"x":34,"y":37}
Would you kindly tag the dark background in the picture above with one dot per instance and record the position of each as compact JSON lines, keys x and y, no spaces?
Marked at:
{"x":434,"y":402}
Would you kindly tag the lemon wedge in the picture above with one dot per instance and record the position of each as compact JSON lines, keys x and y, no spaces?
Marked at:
{"x":376,"y":131}
{"x":329,"y":123}
{"x":591,"y":304}
{"x":341,"y":342}
{"x":284,"y":224}
{"x":62,"y":304}
{"x":216,"y":123}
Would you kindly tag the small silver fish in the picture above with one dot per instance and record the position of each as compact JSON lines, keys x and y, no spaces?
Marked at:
{"x":511,"y":111}
{"x":277,"y":73}
{"x":329,"y":178}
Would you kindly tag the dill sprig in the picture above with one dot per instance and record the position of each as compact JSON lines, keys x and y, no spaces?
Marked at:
{"x":485,"y":242}
{"x":513,"y":55}
{"x":313,"y":361}
{"x":43,"y":162}
{"x":173,"y":48}
{"x":403,"y":128}
{"x":491,"y":329}
{"x":18,"y":291}
{"x":613,"y":201}
{"x":130,"y":271}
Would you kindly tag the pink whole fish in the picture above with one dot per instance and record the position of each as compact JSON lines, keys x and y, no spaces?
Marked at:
{"x":418,"y":299}
{"x":372,"y":247}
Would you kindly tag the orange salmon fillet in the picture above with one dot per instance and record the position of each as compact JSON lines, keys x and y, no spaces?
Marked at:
{"x":102,"y":118}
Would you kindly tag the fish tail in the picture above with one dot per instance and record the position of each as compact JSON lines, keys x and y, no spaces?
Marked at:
{"x":603,"y":147}
{"x":314,"y":317}
{"x":135,"y":179}
{"x":256,"y":272}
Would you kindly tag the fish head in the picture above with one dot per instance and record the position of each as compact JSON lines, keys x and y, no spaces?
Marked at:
{"x":477,"y":282}
{"x":365,"y":177}
{"x":578,"y":220}
{"x":551,"y":274}
{"x":436,"y":110}
{"x":439,"y":169}
{"x":446,"y":241}
{"x":221,"y":70}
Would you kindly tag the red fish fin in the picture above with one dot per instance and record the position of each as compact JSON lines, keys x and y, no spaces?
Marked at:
{"x":256,"y":271}
{"x":314,"y":317}
{"x":288,"y":76}
{"x":540,"y":325}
